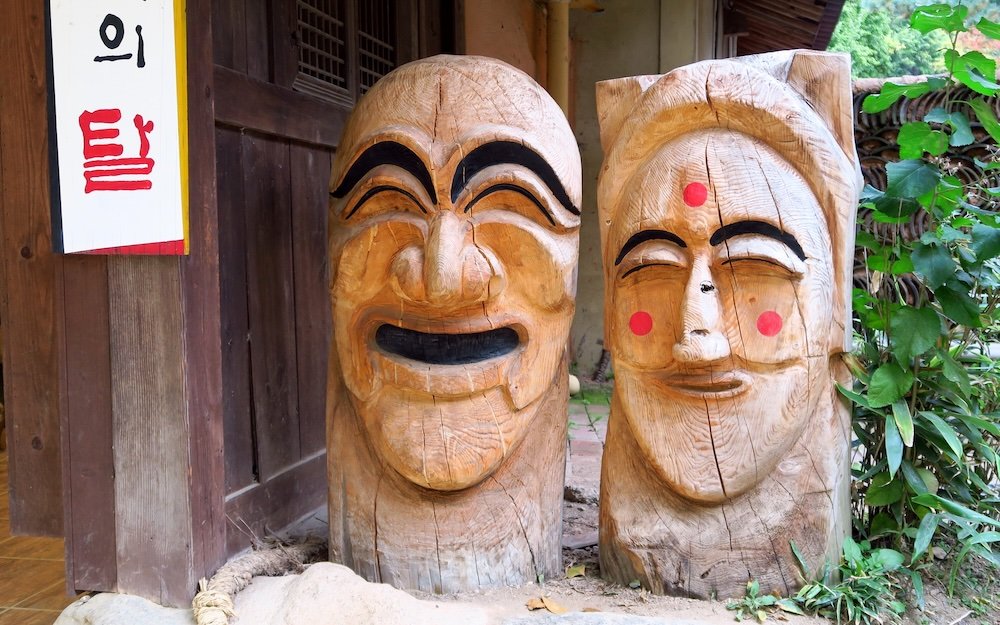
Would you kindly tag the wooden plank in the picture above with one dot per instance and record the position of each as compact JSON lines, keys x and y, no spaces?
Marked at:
{"x":88,"y":460}
{"x":266,"y":508}
{"x":310,"y":168}
{"x":256,"y":105}
{"x":257,"y":40}
{"x":271,"y":302}
{"x":236,"y":405}
{"x":229,"y":35}
{"x":150,"y":421}
{"x":284,"y":42}
{"x":200,"y":296}
{"x":30,"y":346}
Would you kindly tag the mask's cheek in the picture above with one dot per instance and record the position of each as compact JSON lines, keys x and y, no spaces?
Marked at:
{"x":645,"y":316}
{"x":764,"y":321}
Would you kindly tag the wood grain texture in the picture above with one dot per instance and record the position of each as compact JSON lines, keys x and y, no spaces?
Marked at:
{"x":150,"y":424}
{"x":31,"y":345}
{"x":454,"y":227}
{"x":88,"y":456}
{"x":727,"y":199}
{"x":200,"y":276}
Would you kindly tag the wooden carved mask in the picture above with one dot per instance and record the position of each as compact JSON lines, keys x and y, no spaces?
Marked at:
{"x":727,"y":204}
{"x":454,"y":235}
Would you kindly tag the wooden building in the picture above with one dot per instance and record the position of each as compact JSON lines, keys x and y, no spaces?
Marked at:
{"x":162,"y":411}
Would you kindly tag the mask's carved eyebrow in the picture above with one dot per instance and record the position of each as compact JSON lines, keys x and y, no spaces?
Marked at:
{"x":762,"y":228}
{"x":386,"y":153}
{"x":647,"y":235}
{"x":500,"y":152}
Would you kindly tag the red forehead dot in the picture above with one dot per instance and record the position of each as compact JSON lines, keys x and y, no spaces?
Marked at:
{"x":769,"y":323}
{"x":640,"y":323}
{"x":695,"y":194}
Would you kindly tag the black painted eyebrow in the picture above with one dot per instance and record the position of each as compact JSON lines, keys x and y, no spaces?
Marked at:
{"x":762,"y":228}
{"x":503,"y":186}
{"x":499,"y":152}
{"x":647,"y":235}
{"x":386,"y":153}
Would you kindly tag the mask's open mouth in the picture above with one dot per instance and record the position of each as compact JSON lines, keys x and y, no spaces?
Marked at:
{"x":446,"y":349}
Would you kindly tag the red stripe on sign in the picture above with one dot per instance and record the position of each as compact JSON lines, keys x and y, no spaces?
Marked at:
{"x":164,"y":248}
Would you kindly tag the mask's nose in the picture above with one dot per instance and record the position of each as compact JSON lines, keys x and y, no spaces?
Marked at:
{"x":703,"y":338}
{"x":449,"y":268}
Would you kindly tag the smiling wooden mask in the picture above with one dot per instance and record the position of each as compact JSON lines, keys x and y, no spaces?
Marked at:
{"x":727,"y":202}
{"x":454,"y":218}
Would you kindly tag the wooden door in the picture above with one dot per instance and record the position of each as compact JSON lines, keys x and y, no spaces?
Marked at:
{"x":287,"y":73}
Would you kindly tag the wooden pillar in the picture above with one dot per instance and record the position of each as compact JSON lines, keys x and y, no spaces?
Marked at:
{"x":124,"y":355}
{"x":453,"y":249}
{"x":727,"y":197}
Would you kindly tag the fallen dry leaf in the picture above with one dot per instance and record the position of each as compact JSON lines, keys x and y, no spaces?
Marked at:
{"x":535,"y":604}
{"x":576,"y":571}
{"x":590,"y":610}
{"x":553,"y":607}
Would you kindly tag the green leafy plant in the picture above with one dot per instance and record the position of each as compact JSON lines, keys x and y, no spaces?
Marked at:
{"x":754,"y":605}
{"x":867,"y":593}
{"x":926,"y":395}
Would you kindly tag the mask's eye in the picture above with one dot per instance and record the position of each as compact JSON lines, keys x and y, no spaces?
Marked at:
{"x":651,"y":254}
{"x":500,"y":190}
{"x":763,"y":254}
{"x":381,"y":195}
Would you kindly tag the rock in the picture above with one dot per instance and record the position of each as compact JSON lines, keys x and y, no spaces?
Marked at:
{"x":330,"y":594}
{"x":574,"y":385}
{"x":114,"y":609}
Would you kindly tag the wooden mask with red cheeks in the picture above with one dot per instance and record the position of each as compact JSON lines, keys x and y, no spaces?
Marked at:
{"x":727,"y":202}
{"x":454,"y":235}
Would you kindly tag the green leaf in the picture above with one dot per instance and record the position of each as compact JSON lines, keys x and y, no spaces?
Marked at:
{"x":857,"y":398}
{"x":910,"y":178}
{"x":889,"y":559}
{"x":801,"y":561}
{"x":882,"y":524}
{"x":788,"y":605}
{"x":940,"y":503}
{"x":893,"y":446}
{"x":974,"y":70}
{"x":944,"y":16}
{"x":989,"y":28}
{"x":878,"y":102}
{"x":915,"y":138}
{"x":913,"y":331}
{"x":852,"y":552}
{"x":888,"y":383}
{"x":985,"y":242}
{"x":954,"y":372}
{"x":904,"y":421}
{"x":984,"y":112}
{"x":918,"y":588}
{"x":933,"y":263}
{"x":946,"y":431}
{"x":958,"y":305}
{"x":913,"y":478}
{"x":883,"y":491}
{"x":961,"y":130}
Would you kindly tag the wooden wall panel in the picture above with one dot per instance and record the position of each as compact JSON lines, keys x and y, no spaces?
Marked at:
{"x":28,"y":309}
{"x":239,"y":437}
{"x":309,"y":168}
{"x":271,"y":302}
{"x":229,"y":41}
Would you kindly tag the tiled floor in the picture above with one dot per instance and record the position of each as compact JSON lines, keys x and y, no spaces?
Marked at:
{"x":32,"y":582}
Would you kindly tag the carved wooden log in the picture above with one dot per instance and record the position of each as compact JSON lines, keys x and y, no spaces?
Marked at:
{"x":454,"y":226}
{"x":727,"y":201}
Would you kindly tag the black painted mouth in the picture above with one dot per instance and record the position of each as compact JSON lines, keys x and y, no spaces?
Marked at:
{"x":446,"y":349}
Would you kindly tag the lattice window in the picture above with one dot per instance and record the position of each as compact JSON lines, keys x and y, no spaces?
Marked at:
{"x":376,"y":40}
{"x":345,"y":46}
{"x":323,"y":66}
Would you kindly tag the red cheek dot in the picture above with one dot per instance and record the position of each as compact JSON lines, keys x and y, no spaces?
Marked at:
{"x":640,"y":323}
{"x":695,"y":194}
{"x":769,"y":323}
